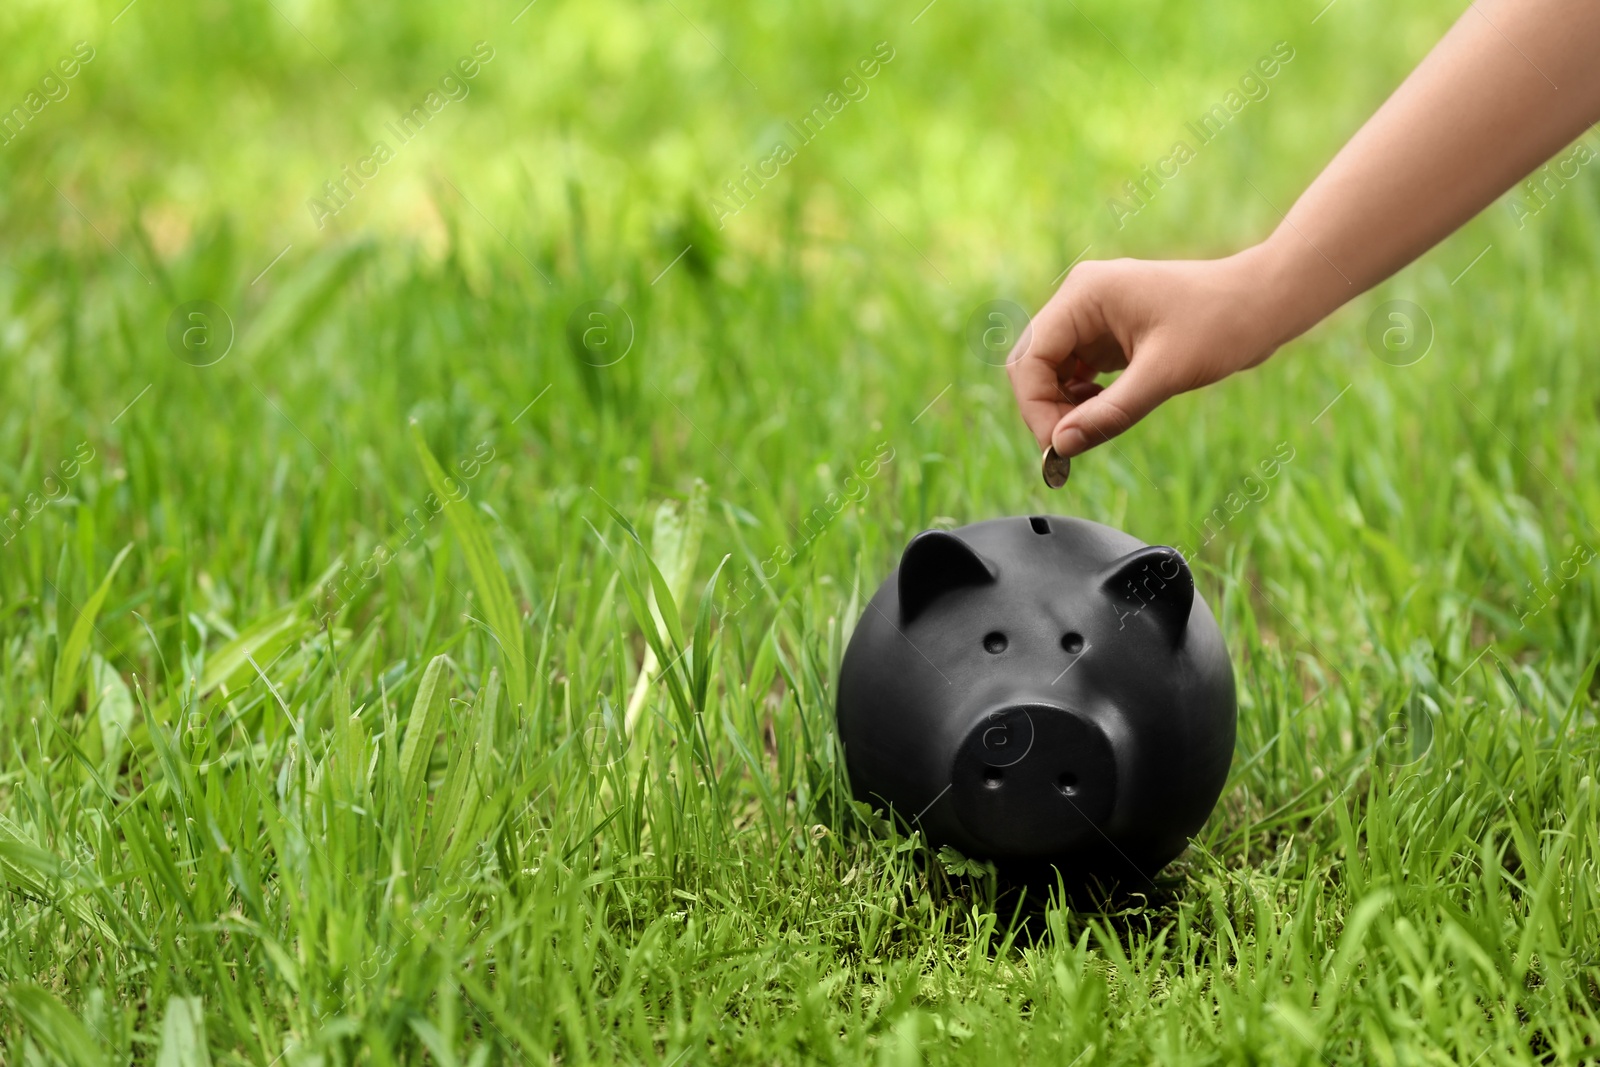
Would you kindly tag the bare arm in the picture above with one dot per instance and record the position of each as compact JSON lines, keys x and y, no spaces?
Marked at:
{"x":1509,"y":85}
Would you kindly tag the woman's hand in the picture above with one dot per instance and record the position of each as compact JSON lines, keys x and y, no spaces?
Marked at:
{"x":1168,"y":326}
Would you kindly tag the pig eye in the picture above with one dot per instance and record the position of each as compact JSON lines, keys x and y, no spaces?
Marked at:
{"x":994,"y":643}
{"x":1072,"y":643}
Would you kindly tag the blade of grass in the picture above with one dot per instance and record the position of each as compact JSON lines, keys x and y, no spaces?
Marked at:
{"x":488,"y":577}
{"x":69,"y":663}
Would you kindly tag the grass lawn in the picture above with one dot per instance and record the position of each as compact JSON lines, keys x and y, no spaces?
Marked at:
{"x":332,"y":721}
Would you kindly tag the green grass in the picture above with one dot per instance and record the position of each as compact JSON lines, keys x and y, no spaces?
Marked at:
{"x":299,"y":765}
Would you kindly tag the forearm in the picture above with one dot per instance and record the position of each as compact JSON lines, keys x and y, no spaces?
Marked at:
{"x":1509,"y":85}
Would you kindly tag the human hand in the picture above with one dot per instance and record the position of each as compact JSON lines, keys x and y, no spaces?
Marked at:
{"x":1169,"y":326}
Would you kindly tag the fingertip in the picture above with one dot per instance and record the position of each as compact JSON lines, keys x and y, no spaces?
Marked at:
{"x":1068,"y":440}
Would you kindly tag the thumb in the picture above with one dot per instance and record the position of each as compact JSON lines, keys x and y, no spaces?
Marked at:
{"x":1135,"y":393}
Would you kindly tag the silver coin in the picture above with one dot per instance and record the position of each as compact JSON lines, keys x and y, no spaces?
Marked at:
{"x":1056,"y":468}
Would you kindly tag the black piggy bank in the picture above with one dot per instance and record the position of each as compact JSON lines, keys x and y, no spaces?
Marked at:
{"x":1044,"y":692}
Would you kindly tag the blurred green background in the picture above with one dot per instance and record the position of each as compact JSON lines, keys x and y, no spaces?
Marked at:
{"x":1402,"y":866}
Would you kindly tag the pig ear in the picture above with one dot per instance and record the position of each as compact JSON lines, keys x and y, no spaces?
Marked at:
{"x":934,"y":562}
{"x":1154,"y":581}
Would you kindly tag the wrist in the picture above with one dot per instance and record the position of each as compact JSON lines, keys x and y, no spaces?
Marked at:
{"x":1295,"y":287}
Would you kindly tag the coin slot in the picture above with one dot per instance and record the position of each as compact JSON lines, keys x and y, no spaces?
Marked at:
{"x":1067,"y":783}
{"x":1040,"y":524}
{"x":1072,"y":643}
{"x":993,"y":776}
{"x":994,"y":643}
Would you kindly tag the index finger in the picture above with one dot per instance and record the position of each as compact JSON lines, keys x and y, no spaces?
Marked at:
{"x":1042,"y":357}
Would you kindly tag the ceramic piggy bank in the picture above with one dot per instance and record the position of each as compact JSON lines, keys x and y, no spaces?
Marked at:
{"x":1040,"y":690}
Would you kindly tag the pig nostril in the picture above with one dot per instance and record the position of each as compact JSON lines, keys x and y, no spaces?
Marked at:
{"x":994,"y":643}
{"x":992,"y":778}
{"x":1072,"y":643}
{"x":1067,"y":783}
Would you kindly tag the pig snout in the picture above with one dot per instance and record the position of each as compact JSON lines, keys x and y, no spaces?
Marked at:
{"x":1034,"y":780}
